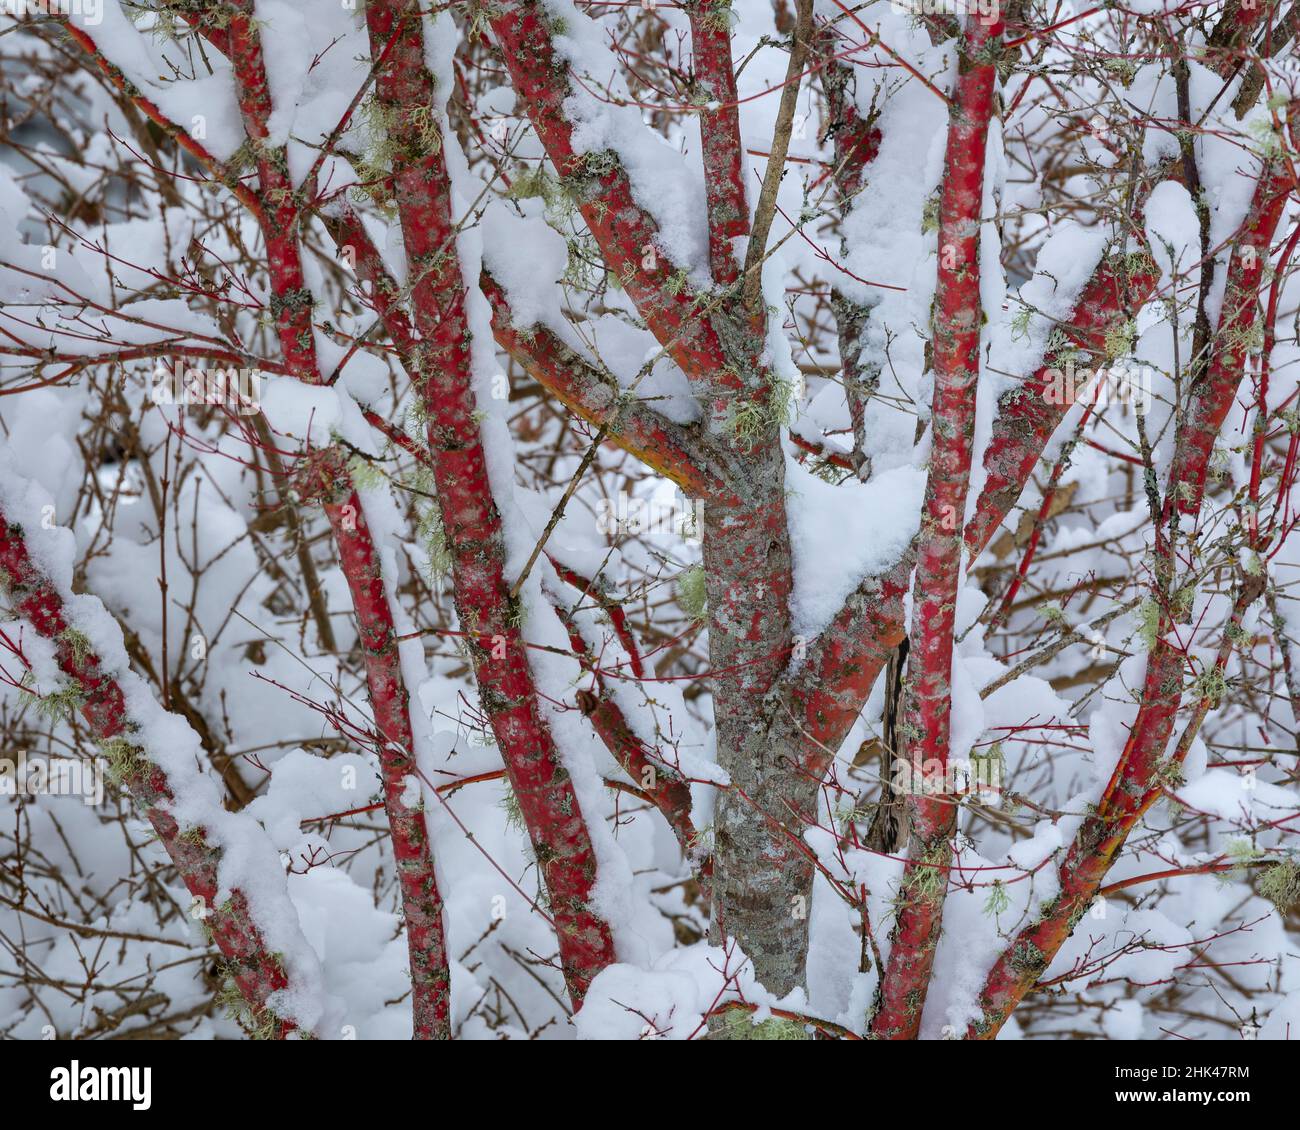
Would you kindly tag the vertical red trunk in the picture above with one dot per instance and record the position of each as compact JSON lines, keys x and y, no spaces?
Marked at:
{"x":324,"y":477}
{"x":546,"y":796}
{"x":291,"y":305}
{"x":724,"y":168}
{"x":927,"y":714}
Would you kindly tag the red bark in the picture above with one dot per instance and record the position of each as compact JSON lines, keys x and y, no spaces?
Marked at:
{"x":83,"y":39}
{"x":1229,"y":43}
{"x":843,"y":664}
{"x":746,"y":546}
{"x":443,"y":376}
{"x":657,"y":780}
{"x":1208,"y":406}
{"x":356,"y":246}
{"x":855,"y":140}
{"x":611,"y":607}
{"x":1028,"y":416}
{"x":324,"y":477}
{"x":724,"y":169}
{"x":624,"y":231}
{"x":777,"y":727}
{"x":669,"y":448}
{"x":291,"y":301}
{"x":927,"y":715}
{"x":686,"y":455}
{"x":1132,"y":788}
{"x":277,"y":207}
{"x":257,"y":973}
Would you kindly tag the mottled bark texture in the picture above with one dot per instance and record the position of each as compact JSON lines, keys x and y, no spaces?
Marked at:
{"x":724,"y":164}
{"x":1135,"y":785}
{"x":927,"y":696}
{"x":255,"y":971}
{"x":443,"y":373}
{"x":762,"y":871}
{"x":782,"y":705}
{"x":278,"y":208}
{"x":1029,"y":414}
{"x":762,"y":874}
{"x":324,"y":478}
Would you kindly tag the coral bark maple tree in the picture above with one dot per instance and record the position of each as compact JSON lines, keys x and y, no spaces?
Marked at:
{"x":504,"y":267}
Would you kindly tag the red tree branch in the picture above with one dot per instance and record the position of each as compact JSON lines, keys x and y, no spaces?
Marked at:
{"x":625,"y":232}
{"x":324,"y":477}
{"x":278,"y":211}
{"x":1130,"y":791}
{"x":657,"y":780}
{"x":928,"y":699}
{"x":724,"y":172}
{"x":1210,"y":402}
{"x":684,"y":454}
{"x":443,"y":376}
{"x":1030,"y":414}
{"x":257,"y":972}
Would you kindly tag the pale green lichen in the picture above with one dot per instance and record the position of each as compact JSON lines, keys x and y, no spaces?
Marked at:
{"x":716,"y":14}
{"x":1280,"y":884}
{"x":534,"y":182}
{"x":1270,"y":141}
{"x":927,"y":881}
{"x":692,"y":593}
{"x":366,"y":473}
{"x":600,"y":162}
{"x":1169,"y":774}
{"x":738,"y":1024}
{"x":1242,"y":853}
{"x":432,"y":537}
{"x":1053,"y":614}
{"x":998,"y":900}
{"x":1211,"y":685}
{"x":514,"y":813}
{"x":56,"y":705}
{"x":78,"y":644}
{"x":753,"y":418}
{"x":1020,"y":323}
{"x":1119,"y":339}
{"x":1027,"y":957}
{"x":677,"y":282}
{"x":125,"y":759}
{"x":383,"y":153}
{"x":930,"y":214}
{"x":259,"y":1024}
{"x":1148,"y":622}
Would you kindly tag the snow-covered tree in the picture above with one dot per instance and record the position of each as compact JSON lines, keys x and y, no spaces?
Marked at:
{"x":717,"y":519}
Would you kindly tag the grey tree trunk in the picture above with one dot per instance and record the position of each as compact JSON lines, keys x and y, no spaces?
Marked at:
{"x":762,"y":882}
